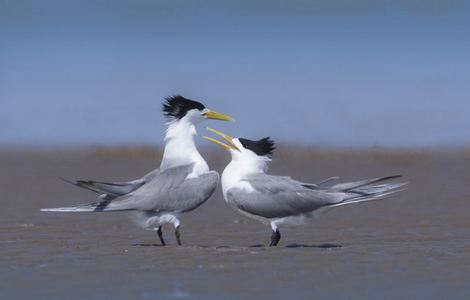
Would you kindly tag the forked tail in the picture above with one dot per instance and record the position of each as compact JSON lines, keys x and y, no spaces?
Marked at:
{"x":368,"y":190}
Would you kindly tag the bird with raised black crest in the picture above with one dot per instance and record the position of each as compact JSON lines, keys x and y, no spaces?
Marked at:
{"x":181,"y":184}
{"x":280,"y":200}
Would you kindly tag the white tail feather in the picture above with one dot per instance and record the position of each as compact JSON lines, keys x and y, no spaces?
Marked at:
{"x":105,"y":205}
{"x":69,"y":209}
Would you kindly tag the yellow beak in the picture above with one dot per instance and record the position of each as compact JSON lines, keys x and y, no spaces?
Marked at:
{"x":217,"y":116}
{"x":230,"y":146}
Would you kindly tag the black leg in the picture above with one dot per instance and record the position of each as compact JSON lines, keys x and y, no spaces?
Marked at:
{"x":275,"y":237}
{"x":177,"y":235}
{"x":160,"y":235}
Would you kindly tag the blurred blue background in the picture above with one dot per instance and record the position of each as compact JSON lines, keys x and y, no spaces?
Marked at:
{"x":332,"y":73}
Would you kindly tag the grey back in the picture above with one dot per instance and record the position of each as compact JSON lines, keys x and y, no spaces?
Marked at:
{"x":170,"y":191}
{"x":277,"y":197}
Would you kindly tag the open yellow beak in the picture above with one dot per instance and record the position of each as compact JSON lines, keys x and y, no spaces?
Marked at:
{"x":217,"y":116}
{"x":230,"y":144}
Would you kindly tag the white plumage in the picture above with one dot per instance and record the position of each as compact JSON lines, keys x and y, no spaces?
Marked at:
{"x":281,"y":200}
{"x":181,"y":184}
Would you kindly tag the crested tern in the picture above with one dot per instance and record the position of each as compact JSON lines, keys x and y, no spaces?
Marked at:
{"x":280,"y":200}
{"x":181,"y":184}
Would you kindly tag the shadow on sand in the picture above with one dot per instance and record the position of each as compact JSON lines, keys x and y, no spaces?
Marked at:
{"x":320,"y":246}
{"x":147,"y":245}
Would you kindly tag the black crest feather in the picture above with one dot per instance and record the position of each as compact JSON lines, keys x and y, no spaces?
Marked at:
{"x":177,"y":106}
{"x":262,"y":147}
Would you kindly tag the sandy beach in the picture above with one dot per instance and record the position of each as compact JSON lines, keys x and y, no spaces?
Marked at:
{"x":415,"y":245}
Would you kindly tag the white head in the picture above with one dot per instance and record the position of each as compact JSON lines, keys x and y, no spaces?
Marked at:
{"x":253,"y":155}
{"x":183,"y":115}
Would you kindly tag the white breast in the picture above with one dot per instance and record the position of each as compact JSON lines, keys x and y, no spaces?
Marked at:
{"x":232,"y":177}
{"x":180,"y":149}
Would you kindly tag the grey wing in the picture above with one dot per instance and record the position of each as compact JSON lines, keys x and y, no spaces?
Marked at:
{"x":169,"y":190}
{"x":277,"y":197}
{"x":114,"y":189}
{"x":189,"y":195}
{"x":149,"y":176}
{"x":326,"y":182}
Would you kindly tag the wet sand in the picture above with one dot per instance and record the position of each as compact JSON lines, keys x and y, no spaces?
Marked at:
{"x":416,"y":245}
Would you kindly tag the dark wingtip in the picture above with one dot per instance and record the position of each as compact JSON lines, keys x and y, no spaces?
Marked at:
{"x":68,"y":181}
{"x":101,"y":206}
{"x":392,"y":177}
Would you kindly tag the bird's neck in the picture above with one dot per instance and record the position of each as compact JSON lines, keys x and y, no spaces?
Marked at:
{"x":239,"y":169}
{"x":180,"y":148}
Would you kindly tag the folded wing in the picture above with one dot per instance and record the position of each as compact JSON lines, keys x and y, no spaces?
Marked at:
{"x":277,"y":197}
{"x":114,"y":189}
{"x":167,"y":190}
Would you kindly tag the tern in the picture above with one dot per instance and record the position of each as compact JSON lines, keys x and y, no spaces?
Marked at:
{"x":181,"y":184}
{"x":279,"y":200}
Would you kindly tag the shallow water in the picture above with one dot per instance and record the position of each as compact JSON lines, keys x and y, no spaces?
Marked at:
{"x":416,"y":245}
